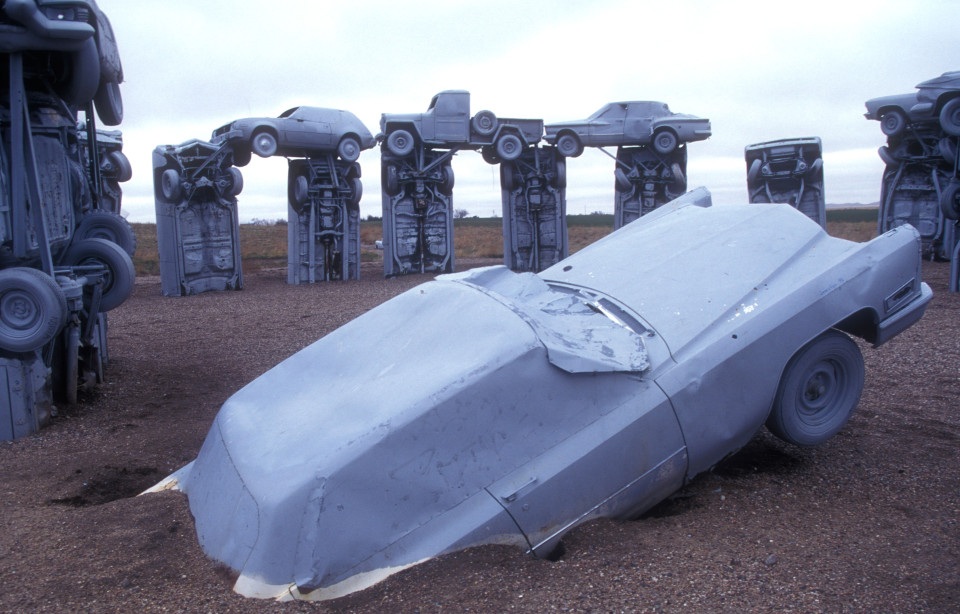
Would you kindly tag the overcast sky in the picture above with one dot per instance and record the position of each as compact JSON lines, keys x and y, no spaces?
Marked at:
{"x":759,"y":71}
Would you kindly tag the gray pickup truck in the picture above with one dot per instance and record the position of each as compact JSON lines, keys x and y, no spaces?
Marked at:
{"x":447,"y":124}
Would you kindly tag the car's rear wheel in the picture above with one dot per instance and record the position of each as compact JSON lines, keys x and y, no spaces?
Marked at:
{"x":118,"y":165}
{"x":753,"y":173}
{"x":391,"y":180}
{"x":569,"y":145}
{"x":679,"y":181}
{"x":170,"y":184}
{"x":264,"y":144}
{"x":109,"y":103}
{"x":818,"y":391}
{"x":235,"y":185}
{"x":560,"y":179}
{"x":508,"y":181}
{"x":950,"y":201}
{"x":241,"y":155}
{"x":948,"y":150}
{"x":665,"y":141}
{"x":893,"y":122}
{"x":299,"y":191}
{"x":446,"y":186}
{"x":887,"y":156}
{"x":620,"y":180}
{"x":950,"y":117}
{"x":349,"y":149}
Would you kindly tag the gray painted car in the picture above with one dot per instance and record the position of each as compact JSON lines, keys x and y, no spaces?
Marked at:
{"x":69,"y":47}
{"x":935,"y":99}
{"x":297,"y":132}
{"x":628,"y":123}
{"x":491,"y":407}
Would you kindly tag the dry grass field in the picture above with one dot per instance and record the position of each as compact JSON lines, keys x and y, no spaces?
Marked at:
{"x":264,"y":246}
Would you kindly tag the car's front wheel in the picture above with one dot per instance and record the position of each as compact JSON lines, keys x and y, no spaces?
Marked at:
{"x":665,"y":142}
{"x":818,"y":391}
{"x":349,"y":149}
{"x":950,"y":201}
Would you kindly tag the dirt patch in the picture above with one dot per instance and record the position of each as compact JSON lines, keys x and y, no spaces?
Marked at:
{"x":867,"y":522}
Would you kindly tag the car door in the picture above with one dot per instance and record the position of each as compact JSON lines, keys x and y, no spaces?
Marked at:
{"x":619,"y":465}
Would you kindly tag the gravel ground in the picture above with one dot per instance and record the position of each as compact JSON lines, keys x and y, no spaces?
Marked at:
{"x":865,"y":523}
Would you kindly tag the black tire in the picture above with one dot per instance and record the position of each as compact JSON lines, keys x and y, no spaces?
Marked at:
{"x":753,"y":172}
{"x":509,"y":147}
{"x":948,"y":150}
{"x":349,"y":149}
{"x":489,"y":155}
{"x":560,"y":179}
{"x":109,"y":103}
{"x":818,"y":390}
{"x":484,"y":123}
{"x":236,"y":181}
{"x":887,"y":157}
{"x":107,"y":225}
{"x":299,"y":191}
{"x":950,"y":117}
{"x":400,"y":143}
{"x":446,"y":186}
{"x":391,"y":179}
{"x":568,"y":145}
{"x":353,"y":171}
{"x":119,"y":274}
{"x":170,"y":184}
{"x":356,"y":191}
{"x":893,"y":122}
{"x":679,"y":181}
{"x":33,"y":309}
{"x":263,"y":143}
{"x":665,"y":142}
{"x":117,"y":164}
{"x":508,"y":177}
{"x":241,"y":155}
{"x":950,"y":201}
{"x":621,"y":181}
{"x":82,"y":75}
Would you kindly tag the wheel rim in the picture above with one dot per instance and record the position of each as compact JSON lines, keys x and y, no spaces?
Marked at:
{"x":349,"y":150}
{"x":821,"y":392}
{"x":20,"y":313}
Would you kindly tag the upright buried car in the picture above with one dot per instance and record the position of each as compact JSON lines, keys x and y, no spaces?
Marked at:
{"x":300,"y":131}
{"x":508,"y":408}
{"x":628,"y":123}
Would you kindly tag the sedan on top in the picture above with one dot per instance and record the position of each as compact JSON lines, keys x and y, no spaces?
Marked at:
{"x":297,"y":132}
{"x":628,"y":123}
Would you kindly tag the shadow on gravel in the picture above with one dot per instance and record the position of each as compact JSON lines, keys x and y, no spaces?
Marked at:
{"x":110,"y":484}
